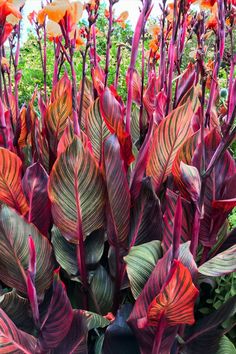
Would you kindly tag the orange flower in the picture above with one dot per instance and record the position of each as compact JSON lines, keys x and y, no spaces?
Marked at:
{"x":59,"y":8}
{"x":7,"y":7}
{"x":154,"y":30}
{"x":41,"y":16}
{"x":122,"y":18}
{"x":153,"y":45}
{"x":207,"y":4}
{"x":212,"y":23}
{"x":32,"y":17}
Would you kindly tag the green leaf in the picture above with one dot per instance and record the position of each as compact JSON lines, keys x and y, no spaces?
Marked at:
{"x":102,"y":291}
{"x":223,"y":263}
{"x":14,"y":253}
{"x":141,"y":261}
{"x":226,"y":346}
{"x":95,"y":321}
{"x":66,"y":255}
{"x":77,"y":192}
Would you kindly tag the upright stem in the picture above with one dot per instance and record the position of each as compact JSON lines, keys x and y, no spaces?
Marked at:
{"x":108,"y":41}
{"x":74,"y":96}
{"x":134,"y":52}
{"x":159,"y":333}
{"x":118,"y":61}
{"x":142,"y":86}
{"x":195,"y":233}
{"x":45,"y":62}
{"x":83,"y":81}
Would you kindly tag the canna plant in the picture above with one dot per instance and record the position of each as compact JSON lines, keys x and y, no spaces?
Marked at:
{"x":113,"y":212}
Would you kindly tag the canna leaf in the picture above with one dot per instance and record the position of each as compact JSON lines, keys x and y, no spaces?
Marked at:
{"x":152,"y":288}
{"x":96,"y":129}
{"x":186,"y":82}
{"x":192,"y":181}
{"x":14,"y":253}
{"x":66,"y":253}
{"x":10,"y":181}
{"x":184,"y":154}
{"x":56,"y":119}
{"x":226,"y":346}
{"x":176,"y":301}
{"x":12,"y":340}
{"x":76,"y":191}
{"x":58,"y":319}
{"x":168,"y":137}
{"x":223,"y":263}
{"x":34,"y":186}
{"x":75,"y":342}
{"x":95,"y":321}
{"x":207,"y":332}
{"x":146,"y":216}
{"x":102,"y":290}
{"x":141,"y":261}
{"x":118,"y":191}
{"x":62,"y":86}
{"x":17,"y":308}
{"x":168,"y":220}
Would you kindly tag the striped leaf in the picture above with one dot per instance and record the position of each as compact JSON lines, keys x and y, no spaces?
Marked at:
{"x":88,"y":99}
{"x":226,"y":346}
{"x":141,"y":261}
{"x":58,"y":319}
{"x":35,"y":189}
{"x":10,"y":181}
{"x":66,"y":253}
{"x":184,"y":154}
{"x":66,"y":138}
{"x":14,"y":253}
{"x":96,"y":129}
{"x":186,"y":82}
{"x":12,"y":340}
{"x":75,"y":342}
{"x":56,"y":119}
{"x":17,"y":308}
{"x":95,"y":321}
{"x":223,"y":263}
{"x":118,"y":191}
{"x":168,"y":220}
{"x":22,"y":140}
{"x":192,"y":181}
{"x":169,"y":136}
{"x":208,"y":331}
{"x":216,"y":187}
{"x":61,"y":87}
{"x":146,"y":216}
{"x":152,"y":288}
{"x":76,"y":191}
{"x":176,"y":301}
{"x":102,"y":289}
{"x":41,"y":145}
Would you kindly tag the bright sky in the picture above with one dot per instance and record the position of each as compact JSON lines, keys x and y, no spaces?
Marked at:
{"x":132,"y":6}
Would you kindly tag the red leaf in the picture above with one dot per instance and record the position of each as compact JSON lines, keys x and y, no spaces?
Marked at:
{"x":176,"y":301}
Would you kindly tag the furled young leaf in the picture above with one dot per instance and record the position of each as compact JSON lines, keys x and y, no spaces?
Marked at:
{"x":192,"y":181}
{"x":226,"y":346}
{"x":56,"y":119}
{"x":34,"y":186}
{"x":141,"y":261}
{"x":62,"y":86}
{"x":112,"y":110}
{"x":184,"y":154}
{"x":146,"y":216}
{"x":17,"y":308}
{"x":207,"y":332}
{"x":75,"y":342}
{"x":168,"y":220}
{"x":96,"y":129}
{"x":223,"y":263}
{"x":152,"y":288}
{"x":12,"y":340}
{"x":41,"y":145}
{"x":185,"y":82}
{"x":102,"y":289}
{"x":216,"y":187}
{"x":66,"y":138}
{"x":23,"y":131}
{"x":76,"y":191}
{"x":10,"y":181}
{"x":14,"y":253}
{"x":172,"y":132}
{"x":66,"y":253}
{"x":118,"y":191}
{"x":88,"y":99}
{"x":58,"y":319}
